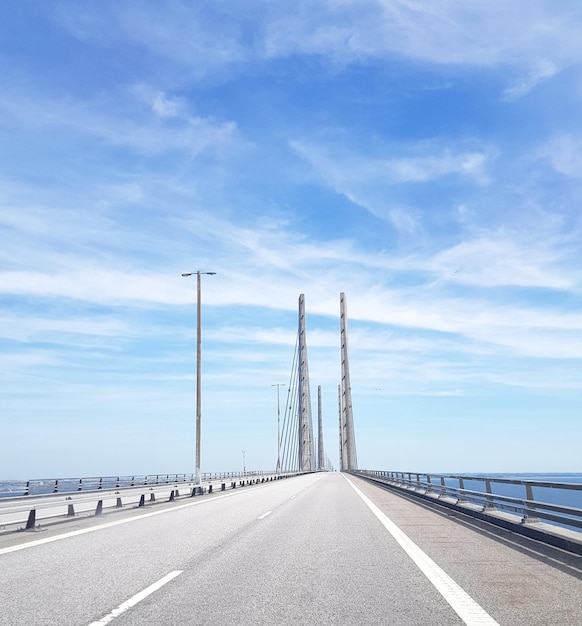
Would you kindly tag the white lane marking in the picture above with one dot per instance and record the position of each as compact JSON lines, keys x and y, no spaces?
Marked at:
{"x":265,"y":515}
{"x":462,"y":603}
{"x":128,"y":604}
{"x":128,"y":520}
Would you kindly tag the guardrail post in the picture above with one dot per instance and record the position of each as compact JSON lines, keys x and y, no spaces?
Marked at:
{"x":461,"y":497}
{"x":172,"y":496}
{"x":119,"y":505}
{"x":80,"y":487}
{"x":209,"y":488}
{"x":27,"y":488}
{"x":56,"y":487}
{"x":152,"y":497}
{"x":141,"y":500}
{"x":529,"y":516}
{"x":489,"y":502}
{"x":71,"y":511}
{"x":30,"y":523}
{"x":99,"y":509}
{"x":100,"y":483}
{"x":223,"y":487}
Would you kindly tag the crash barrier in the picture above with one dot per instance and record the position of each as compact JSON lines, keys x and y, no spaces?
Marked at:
{"x":28,"y":512}
{"x":513,"y":504}
{"x":40,"y":486}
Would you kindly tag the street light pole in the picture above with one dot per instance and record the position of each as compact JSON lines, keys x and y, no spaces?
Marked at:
{"x":198,"y":369}
{"x":278,"y":427}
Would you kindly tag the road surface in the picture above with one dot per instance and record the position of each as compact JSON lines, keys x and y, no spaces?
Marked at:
{"x":317,"y":549}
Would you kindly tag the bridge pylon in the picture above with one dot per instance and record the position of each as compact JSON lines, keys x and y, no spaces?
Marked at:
{"x":348,"y":456}
{"x":306,"y":445}
{"x":321,"y":461}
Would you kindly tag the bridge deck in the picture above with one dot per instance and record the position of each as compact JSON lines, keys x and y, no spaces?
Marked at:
{"x":307,"y":550}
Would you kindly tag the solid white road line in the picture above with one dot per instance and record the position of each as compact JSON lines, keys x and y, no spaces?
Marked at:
{"x":265,"y":515}
{"x":128,"y":604}
{"x":462,"y":603}
{"x":127,"y":520}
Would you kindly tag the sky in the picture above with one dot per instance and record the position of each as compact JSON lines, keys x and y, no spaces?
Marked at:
{"x":424,"y":158}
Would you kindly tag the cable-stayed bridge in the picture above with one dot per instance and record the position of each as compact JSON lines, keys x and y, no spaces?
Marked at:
{"x":297,"y":439}
{"x":294,"y":546}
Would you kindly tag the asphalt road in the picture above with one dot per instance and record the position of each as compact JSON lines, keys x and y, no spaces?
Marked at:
{"x":306,"y":550}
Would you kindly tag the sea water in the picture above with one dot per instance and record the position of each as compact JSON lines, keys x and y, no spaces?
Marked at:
{"x":549,"y":495}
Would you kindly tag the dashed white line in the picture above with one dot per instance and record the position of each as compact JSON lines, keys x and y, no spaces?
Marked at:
{"x":461,"y":602}
{"x":265,"y":515}
{"x":128,"y":604}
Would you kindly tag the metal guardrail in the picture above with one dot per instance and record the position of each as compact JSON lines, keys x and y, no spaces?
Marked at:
{"x":41,"y":486}
{"x":454,"y":488}
{"x":25,"y":512}
{"x":479,"y":495}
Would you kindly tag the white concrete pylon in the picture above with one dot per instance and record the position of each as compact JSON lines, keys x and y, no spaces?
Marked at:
{"x":348,"y":460}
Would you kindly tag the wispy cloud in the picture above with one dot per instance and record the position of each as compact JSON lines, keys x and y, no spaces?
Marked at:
{"x":530,"y":36}
{"x":366,"y":181}
{"x":564,"y":154}
{"x":537,"y":75}
{"x":427,"y":162}
{"x":481,"y":33}
{"x":506,"y":259}
{"x":151,"y":127}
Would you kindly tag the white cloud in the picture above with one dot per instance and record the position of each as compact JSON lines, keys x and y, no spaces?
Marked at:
{"x":202,"y":39}
{"x":161,"y":104}
{"x":529,"y":34}
{"x":415,"y":163}
{"x":164,"y":107}
{"x":128,"y":125}
{"x":503,"y":260}
{"x":564,"y":154}
{"x":366,"y":180}
{"x":483,"y":33}
{"x":66,"y":330}
{"x":405,"y":220}
{"x":537,"y":75}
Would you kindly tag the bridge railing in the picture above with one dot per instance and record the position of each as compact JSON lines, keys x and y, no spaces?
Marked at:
{"x":496,"y":496}
{"x":63,"y":501}
{"x":41,"y":486}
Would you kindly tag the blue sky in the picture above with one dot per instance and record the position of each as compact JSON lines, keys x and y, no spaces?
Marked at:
{"x":425,"y":158}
